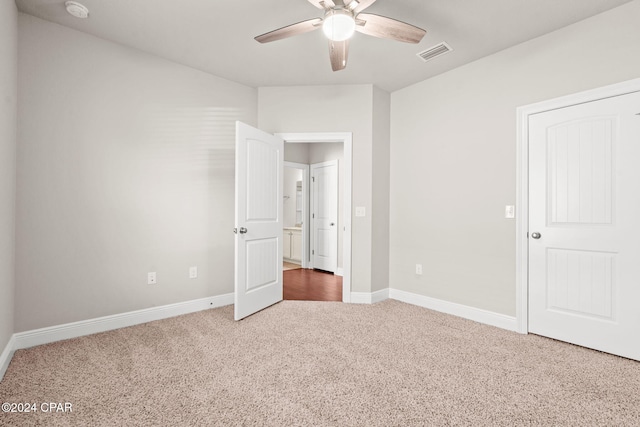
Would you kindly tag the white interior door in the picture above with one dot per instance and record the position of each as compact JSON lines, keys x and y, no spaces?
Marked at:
{"x":584,"y":224}
{"x":258,"y":220}
{"x":324,"y":179}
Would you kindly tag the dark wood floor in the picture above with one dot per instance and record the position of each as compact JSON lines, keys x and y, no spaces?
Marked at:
{"x":311,"y":285}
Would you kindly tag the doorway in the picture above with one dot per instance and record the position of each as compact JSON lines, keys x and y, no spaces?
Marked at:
{"x":302,"y":151}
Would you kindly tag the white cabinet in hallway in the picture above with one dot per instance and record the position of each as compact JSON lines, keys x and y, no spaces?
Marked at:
{"x":292,"y":244}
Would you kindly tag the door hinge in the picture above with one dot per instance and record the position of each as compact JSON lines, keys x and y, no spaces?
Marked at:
{"x":313,"y":178}
{"x":527,"y":234}
{"x":313,"y":215}
{"x":313,"y":252}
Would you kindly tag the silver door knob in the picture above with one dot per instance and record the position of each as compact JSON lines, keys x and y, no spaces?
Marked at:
{"x":243,"y":230}
{"x":536,"y":235}
{"x":332,"y":224}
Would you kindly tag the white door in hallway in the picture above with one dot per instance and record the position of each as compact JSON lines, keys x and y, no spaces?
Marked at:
{"x":324,"y":212}
{"x":584,"y":224}
{"x":258,"y":220}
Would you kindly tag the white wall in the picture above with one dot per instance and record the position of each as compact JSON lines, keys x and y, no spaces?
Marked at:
{"x":125,"y":165}
{"x":453,"y":155}
{"x":8,"y":107}
{"x":345,"y":108}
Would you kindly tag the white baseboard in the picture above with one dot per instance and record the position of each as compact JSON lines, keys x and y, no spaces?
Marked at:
{"x":116,"y":321}
{"x":6,"y":355}
{"x":369,"y":297}
{"x":339,"y":272}
{"x":476,"y":314}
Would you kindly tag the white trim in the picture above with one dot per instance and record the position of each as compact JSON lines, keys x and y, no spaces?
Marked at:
{"x":305,"y":210}
{"x":360,"y":298}
{"x":369,"y":297}
{"x":476,"y":314}
{"x":339,"y":271}
{"x":116,"y":321}
{"x":7,"y":354}
{"x":347,"y":139}
{"x":522,"y":180}
{"x":380,"y":295}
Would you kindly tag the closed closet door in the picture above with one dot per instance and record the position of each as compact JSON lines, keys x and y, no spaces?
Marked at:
{"x":584,"y":224}
{"x":325,"y":215}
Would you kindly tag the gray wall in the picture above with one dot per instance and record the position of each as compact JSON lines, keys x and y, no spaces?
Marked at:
{"x":297,"y":153}
{"x":381,"y":190}
{"x":125,"y":165}
{"x":8,"y":106}
{"x":346,"y":108}
{"x":453,"y":155}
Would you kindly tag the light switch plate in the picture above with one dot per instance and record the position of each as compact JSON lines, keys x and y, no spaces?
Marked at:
{"x":360,"y":211}
{"x":151,"y":278}
{"x":193,"y":272}
{"x":509,"y":211}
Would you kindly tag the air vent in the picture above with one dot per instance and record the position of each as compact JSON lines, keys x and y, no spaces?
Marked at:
{"x":434,"y":51}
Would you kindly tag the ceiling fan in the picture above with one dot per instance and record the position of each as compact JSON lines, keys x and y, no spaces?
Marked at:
{"x":341,"y":18}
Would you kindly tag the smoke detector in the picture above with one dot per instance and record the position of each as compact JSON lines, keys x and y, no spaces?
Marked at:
{"x":76,"y":9}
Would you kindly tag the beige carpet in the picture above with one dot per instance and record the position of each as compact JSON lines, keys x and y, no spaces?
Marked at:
{"x":322,"y":364}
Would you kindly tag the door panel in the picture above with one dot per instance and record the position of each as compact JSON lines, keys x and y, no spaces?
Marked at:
{"x":584,"y":189}
{"x":325,"y":215}
{"x":258,"y":220}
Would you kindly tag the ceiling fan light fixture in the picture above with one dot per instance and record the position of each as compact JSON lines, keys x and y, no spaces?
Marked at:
{"x":338,"y":25}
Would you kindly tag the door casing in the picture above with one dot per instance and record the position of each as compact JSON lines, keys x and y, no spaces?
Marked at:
{"x":522,"y":182}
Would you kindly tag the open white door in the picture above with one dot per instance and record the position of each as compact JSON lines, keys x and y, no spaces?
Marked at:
{"x":258,"y":220}
{"x":584,"y":245}
{"x":325,"y":215}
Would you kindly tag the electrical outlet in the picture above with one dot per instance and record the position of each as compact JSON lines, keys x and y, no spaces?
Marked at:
{"x":419,"y":269}
{"x":151,"y":278}
{"x":193,"y":272}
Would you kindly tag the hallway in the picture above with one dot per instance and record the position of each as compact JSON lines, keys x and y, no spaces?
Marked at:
{"x":311,"y":285}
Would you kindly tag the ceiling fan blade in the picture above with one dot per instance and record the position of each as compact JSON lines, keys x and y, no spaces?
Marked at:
{"x":338,"y":52}
{"x":387,"y":28}
{"x":290,"y":30}
{"x":322,"y":4}
{"x":358,"y":6}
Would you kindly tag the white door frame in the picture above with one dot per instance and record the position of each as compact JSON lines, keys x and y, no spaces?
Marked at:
{"x":522,"y":182}
{"x":347,"y":140}
{"x":305,"y":209}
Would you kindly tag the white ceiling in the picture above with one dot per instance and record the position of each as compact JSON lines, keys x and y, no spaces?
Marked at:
{"x":217,"y":36}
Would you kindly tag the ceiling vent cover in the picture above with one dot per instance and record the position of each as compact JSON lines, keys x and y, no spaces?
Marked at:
{"x":76,"y":9}
{"x":434,"y":51}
